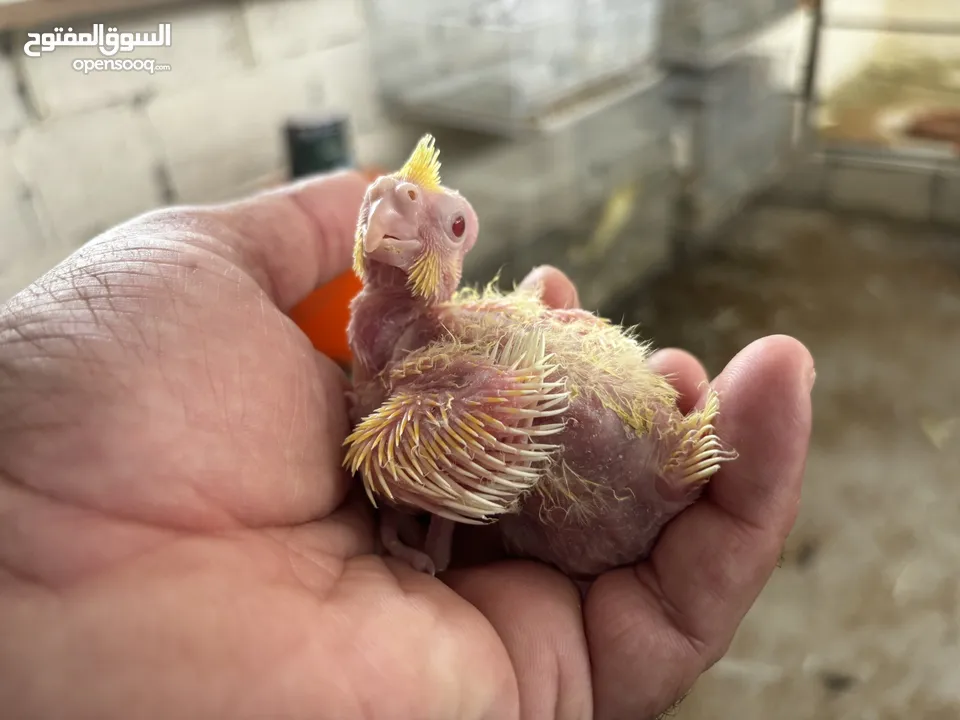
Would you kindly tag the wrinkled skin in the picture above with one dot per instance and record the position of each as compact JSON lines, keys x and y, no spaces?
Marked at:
{"x":176,"y":538}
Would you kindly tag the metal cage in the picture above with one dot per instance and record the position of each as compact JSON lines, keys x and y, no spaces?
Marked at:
{"x":863,"y":140}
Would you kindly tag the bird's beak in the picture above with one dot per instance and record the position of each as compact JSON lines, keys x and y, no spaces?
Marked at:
{"x":388,"y":230}
{"x":390,"y":235}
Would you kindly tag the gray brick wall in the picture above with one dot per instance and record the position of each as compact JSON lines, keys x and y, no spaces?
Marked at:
{"x":12,"y":113}
{"x":25,"y":245}
{"x":79,"y":153}
{"x":89,"y":170}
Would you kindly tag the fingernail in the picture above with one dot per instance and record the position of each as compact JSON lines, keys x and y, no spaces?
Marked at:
{"x":811,"y":379}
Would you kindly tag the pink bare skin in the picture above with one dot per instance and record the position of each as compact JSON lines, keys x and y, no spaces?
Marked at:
{"x":617,"y":488}
{"x":178,"y":539}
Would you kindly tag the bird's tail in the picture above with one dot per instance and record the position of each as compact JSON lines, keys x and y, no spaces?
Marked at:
{"x":699,"y":451}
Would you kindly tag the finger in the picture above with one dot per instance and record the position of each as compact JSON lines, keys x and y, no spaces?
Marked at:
{"x":346,"y":533}
{"x":300,"y":236}
{"x":767,"y":418}
{"x":290,"y":240}
{"x":684,"y":372}
{"x":536,"y":612}
{"x":556,"y":289}
{"x":676,"y":615}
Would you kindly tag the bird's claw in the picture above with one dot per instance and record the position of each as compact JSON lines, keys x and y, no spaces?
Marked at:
{"x":417,"y":559}
{"x":434,"y":558}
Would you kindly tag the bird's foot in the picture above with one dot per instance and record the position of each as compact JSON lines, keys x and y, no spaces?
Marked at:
{"x":392,"y":524}
{"x":435,"y":556}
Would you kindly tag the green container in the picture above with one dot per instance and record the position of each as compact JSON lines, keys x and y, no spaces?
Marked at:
{"x":317,"y":145}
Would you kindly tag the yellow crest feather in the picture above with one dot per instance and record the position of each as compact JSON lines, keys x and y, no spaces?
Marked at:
{"x":423,"y":167}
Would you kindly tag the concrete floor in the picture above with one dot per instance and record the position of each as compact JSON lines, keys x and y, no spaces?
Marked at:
{"x":862,"y":622}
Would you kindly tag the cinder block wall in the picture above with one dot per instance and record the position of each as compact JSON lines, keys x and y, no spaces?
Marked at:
{"x":79,"y":153}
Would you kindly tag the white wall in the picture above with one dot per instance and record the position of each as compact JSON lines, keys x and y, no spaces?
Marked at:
{"x":81,"y":153}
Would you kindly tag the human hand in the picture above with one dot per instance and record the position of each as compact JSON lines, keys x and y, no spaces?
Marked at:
{"x":177,"y":537}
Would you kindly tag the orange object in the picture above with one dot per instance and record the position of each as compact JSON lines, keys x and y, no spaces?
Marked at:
{"x":325,"y":313}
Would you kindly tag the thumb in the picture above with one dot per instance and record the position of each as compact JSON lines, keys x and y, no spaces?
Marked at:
{"x":290,"y":240}
{"x":555,"y":289}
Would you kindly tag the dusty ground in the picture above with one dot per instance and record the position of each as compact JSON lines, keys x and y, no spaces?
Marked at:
{"x":862,"y":622}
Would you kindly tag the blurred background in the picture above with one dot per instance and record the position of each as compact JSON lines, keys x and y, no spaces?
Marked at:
{"x":712,"y":170}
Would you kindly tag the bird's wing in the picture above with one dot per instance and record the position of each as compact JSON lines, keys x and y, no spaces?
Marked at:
{"x":466,"y":430}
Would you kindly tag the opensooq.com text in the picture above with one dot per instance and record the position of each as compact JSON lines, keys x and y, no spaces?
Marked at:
{"x":149,"y":65}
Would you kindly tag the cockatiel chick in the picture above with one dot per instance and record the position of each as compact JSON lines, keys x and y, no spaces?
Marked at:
{"x":480,"y":407}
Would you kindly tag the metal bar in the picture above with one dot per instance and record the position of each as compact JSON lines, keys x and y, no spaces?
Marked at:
{"x":810,"y":102}
{"x":917,"y":27}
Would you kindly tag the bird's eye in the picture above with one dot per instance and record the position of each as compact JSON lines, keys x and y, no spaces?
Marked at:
{"x":459,"y":226}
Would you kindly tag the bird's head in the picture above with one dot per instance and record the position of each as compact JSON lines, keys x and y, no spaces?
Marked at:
{"x":410,"y":222}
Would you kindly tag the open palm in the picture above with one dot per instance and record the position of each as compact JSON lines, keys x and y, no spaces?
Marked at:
{"x":178,"y":539}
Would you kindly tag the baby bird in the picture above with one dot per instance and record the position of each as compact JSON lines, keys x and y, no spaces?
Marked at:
{"x":481,"y":407}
